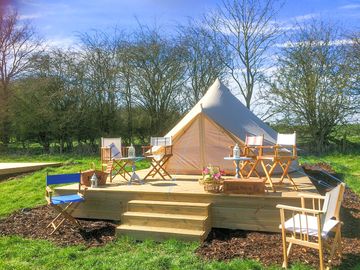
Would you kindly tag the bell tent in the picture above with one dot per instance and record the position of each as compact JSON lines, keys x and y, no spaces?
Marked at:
{"x":204,"y":135}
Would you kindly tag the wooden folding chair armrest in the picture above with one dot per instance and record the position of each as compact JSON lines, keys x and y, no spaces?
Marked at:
{"x":145,"y":149}
{"x":49,"y":192}
{"x":82,"y":189}
{"x":299,"y":209}
{"x":310,"y":196}
{"x":264,"y":146}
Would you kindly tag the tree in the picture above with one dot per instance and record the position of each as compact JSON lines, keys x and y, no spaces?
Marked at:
{"x":18,"y":44}
{"x":248,"y":30}
{"x":312,"y":84}
{"x":205,"y":62}
{"x":354,"y":60}
{"x":159,"y":77}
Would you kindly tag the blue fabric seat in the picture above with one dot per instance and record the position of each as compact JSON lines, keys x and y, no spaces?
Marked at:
{"x":66,"y":199}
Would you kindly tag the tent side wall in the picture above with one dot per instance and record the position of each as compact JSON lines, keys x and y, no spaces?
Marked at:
{"x":202,"y":143}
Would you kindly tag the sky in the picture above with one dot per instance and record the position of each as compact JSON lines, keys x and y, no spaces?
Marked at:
{"x":60,"y":21}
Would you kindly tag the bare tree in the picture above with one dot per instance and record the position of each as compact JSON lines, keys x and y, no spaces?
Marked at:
{"x":312,"y":85}
{"x":18,"y":44}
{"x":159,"y":70}
{"x":205,"y":62}
{"x":354,"y":60}
{"x":247,"y":28}
{"x":99,"y":54}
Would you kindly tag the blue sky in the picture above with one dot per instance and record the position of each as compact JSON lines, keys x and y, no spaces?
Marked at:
{"x":59,"y":21}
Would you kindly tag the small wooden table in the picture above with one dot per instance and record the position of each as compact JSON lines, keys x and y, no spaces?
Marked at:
{"x":237,"y":162}
{"x":132,"y":161}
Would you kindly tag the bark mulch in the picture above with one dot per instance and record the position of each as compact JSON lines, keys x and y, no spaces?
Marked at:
{"x":31,"y":223}
{"x":224,"y":244}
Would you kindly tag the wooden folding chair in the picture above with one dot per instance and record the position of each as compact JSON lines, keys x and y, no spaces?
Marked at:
{"x":282,"y":155}
{"x":159,"y":152}
{"x":69,"y":201}
{"x":111,"y":153}
{"x":251,"y":149}
{"x":310,"y":227}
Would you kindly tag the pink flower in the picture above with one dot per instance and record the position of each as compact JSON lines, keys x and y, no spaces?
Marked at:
{"x":206,"y":171}
{"x":217,"y":176}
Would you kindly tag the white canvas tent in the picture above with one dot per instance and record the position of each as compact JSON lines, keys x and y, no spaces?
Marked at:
{"x":204,"y":135}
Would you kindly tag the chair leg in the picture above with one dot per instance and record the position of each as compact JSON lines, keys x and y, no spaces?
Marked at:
{"x":285,"y":262}
{"x":336,"y":244}
{"x":65,"y":215}
{"x":268,"y":175}
{"x":321,"y":254}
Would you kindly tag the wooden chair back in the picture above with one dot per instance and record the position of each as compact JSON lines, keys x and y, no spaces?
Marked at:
{"x":157,"y":143}
{"x":63,"y":179}
{"x":286,"y":145}
{"x":251,"y":145}
{"x":254,"y":140}
{"x":115,"y":148}
{"x":332,"y":203}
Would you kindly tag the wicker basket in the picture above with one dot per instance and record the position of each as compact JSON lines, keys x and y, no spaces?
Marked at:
{"x":86,"y":176}
{"x":214,"y":187}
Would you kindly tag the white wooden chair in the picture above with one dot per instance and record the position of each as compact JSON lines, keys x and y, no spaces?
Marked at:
{"x":252,"y":149}
{"x":159,"y":152}
{"x":111,"y":154}
{"x":283,"y":154}
{"x":310,"y":227}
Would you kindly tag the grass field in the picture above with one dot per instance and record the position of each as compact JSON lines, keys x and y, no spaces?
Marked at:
{"x":28,"y":191}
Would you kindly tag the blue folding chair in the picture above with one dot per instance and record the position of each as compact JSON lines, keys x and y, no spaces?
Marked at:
{"x":70,"y":201}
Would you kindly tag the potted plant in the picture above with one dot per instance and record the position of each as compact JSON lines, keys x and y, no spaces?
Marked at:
{"x":212,"y":179}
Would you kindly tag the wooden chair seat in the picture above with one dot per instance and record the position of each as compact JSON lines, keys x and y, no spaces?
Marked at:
{"x":67,"y":199}
{"x":297,"y":224}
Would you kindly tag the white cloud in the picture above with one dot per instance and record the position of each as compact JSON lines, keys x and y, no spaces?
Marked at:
{"x":336,"y":42}
{"x":306,"y":17}
{"x":60,"y":42}
{"x":29,"y":16}
{"x":350,"y":6}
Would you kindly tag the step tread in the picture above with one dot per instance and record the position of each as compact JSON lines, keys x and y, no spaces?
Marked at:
{"x":147,"y":202}
{"x":162,"y":215}
{"x":160,"y":230}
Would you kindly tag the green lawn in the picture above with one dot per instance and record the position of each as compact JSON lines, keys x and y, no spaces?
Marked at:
{"x":28,"y":191}
{"x":348,"y":166}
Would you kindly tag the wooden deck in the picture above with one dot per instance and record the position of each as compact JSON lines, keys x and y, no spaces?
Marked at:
{"x":235,"y":211}
{"x":15,"y":168}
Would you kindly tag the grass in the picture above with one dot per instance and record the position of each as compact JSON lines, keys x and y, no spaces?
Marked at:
{"x":347,"y":166}
{"x":124,"y":253}
{"x":30,"y":187}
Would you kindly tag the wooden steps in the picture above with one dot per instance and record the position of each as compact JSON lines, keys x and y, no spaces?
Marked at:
{"x":161,"y":220}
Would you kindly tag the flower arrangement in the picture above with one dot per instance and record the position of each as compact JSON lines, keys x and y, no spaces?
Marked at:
{"x":212,"y":179}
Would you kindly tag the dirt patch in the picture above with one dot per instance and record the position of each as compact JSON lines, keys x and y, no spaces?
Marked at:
{"x":224,"y":244}
{"x":31,"y":223}
{"x":320,"y":166}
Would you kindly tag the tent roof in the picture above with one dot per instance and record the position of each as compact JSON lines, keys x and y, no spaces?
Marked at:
{"x":226,"y":110}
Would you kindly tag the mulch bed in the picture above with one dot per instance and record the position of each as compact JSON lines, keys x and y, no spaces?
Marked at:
{"x":31,"y":223}
{"x":222,"y":244}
